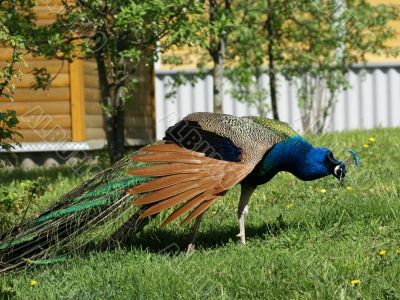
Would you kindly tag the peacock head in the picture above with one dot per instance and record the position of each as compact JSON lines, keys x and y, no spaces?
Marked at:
{"x":337,"y":167}
{"x":323,"y":162}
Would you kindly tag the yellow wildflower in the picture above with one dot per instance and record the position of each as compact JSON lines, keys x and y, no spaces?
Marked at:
{"x":290,"y":205}
{"x":355,"y":282}
{"x":214,"y":212}
{"x":323,"y":191}
{"x":382,"y":253}
{"x":349,"y":188}
{"x":398,"y":251}
{"x":365,"y":145}
{"x":34,"y":283}
{"x":371,"y":139}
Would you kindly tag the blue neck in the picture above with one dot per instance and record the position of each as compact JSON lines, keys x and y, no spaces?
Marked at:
{"x":294,"y":155}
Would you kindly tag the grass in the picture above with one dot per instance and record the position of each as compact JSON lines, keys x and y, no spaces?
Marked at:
{"x":302,"y":243}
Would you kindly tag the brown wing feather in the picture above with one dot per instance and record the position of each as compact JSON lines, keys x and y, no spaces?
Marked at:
{"x":191,"y":179}
{"x":166,"y":193}
{"x":201,"y":208}
{"x":186,"y":207}
{"x":172,"y":201}
{"x":160,"y":183}
{"x":165,"y":169}
{"x":170,"y":156}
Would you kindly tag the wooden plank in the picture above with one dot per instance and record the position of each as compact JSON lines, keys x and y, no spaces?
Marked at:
{"x":49,"y":11}
{"x":92,"y":81}
{"x":94,"y":121}
{"x":140,"y":113}
{"x":141,"y":133}
{"x":39,"y":107}
{"x":95,"y":133}
{"x":92,"y":94}
{"x":139,"y":110}
{"x":143,"y":121}
{"x":45,"y":135}
{"x":77,"y":100}
{"x":45,"y":121}
{"x":52,"y":66}
{"x":90,"y":67}
{"x":31,"y":95}
{"x":44,"y":22}
{"x":27,"y":80}
{"x":6,"y":53}
{"x":93,"y":108}
{"x":50,"y":3}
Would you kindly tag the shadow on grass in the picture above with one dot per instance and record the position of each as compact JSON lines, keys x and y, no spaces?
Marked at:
{"x":174,"y":243}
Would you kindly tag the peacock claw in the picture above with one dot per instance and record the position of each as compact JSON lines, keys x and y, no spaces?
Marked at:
{"x":190,"y":248}
{"x":242,"y":238}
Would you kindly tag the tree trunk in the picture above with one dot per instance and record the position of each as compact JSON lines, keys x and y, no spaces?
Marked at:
{"x":218,"y":83}
{"x":217,"y":51}
{"x":118,"y":147}
{"x":271,"y":61}
{"x":261,"y":105}
{"x":113,"y":114}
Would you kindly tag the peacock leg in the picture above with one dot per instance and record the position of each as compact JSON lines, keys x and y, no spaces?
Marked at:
{"x":193,"y":236}
{"x":243,"y":209}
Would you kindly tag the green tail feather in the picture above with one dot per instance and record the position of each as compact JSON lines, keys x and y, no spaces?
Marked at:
{"x":72,"y":209}
{"x":74,"y":218}
{"x":126,"y":182}
{"x":12,"y":243}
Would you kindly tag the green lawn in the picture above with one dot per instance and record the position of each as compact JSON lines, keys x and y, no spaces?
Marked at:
{"x":302,"y":243}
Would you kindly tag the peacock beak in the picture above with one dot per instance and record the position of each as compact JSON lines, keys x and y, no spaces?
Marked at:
{"x":340,"y":172}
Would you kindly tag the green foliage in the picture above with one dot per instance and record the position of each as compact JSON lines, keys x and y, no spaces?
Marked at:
{"x":302,"y":244}
{"x":8,"y":126}
{"x":14,"y":204}
{"x":118,"y":34}
{"x":312,"y":43}
{"x":12,"y":13}
{"x":43,"y":79}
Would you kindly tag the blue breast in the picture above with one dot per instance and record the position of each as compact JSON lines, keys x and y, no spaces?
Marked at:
{"x":289,"y":155}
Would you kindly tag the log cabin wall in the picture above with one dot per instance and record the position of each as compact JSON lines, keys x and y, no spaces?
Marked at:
{"x":44,"y":115}
{"x":94,"y":119}
{"x":140,"y":123}
{"x":69,"y":112}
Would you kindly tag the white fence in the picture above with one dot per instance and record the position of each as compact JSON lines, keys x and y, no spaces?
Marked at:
{"x":372,"y":101}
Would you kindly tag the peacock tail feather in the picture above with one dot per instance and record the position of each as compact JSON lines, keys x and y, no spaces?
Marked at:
{"x":97,"y":207}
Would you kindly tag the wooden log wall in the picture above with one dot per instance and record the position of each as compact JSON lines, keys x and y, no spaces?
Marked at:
{"x":139,"y":113}
{"x":140,"y":120}
{"x":44,"y":115}
{"x":93,"y":111}
{"x":70,"y":109}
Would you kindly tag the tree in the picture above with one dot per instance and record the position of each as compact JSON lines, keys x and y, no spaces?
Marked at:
{"x":219,"y":27}
{"x":118,"y":34}
{"x":328,"y":37}
{"x":213,"y":27}
{"x":312,"y":44}
{"x":8,"y":119}
{"x":255,"y":45}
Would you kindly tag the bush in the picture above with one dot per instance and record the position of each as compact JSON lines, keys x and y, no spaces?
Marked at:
{"x":8,"y":124}
{"x":14,"y":205}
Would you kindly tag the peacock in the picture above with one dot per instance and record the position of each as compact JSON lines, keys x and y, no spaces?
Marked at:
{"x":200,"y":158}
